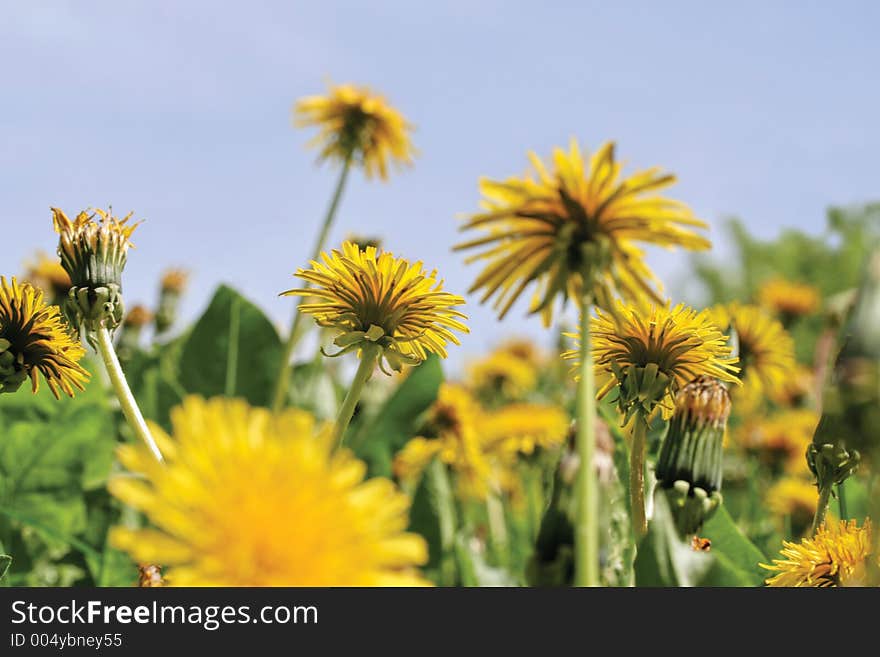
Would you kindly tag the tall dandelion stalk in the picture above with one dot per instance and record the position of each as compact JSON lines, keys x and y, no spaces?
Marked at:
{"x":94,"y":252}
{"x":390,"y":312}
{"x":571,"y":231}
{"x":356,"y":127}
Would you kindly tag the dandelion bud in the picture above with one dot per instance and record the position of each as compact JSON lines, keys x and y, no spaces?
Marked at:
{"x":172,"y":287}
{"x":132,"y":329}
{"x":689,"y":466}
{"x":93,"y":253}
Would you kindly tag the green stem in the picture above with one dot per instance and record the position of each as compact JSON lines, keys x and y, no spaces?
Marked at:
{"x":637,"y":475}
{"x":441,"y":492}
{"x":821,"y":508}
{"x":841,"y":501}
{"x":497,"y":528}
{"x":365,"y":368}
{"x":586,"y":534}
{"x":129,"y":405}
{"x":297,"y":328}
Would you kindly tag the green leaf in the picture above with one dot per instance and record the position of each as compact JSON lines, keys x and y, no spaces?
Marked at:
{"x":232,"y":350}
{"x":5,"y":562}
{"x":395,"y":422}
{"x":736,"y":556}
{"x":663,"y":559}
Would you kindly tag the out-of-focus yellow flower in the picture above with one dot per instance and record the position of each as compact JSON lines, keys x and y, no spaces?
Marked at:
{"x":356,"y":123}
{"x":765,"y":349}
{"x":47,"y":273}
{"x":789,"y":299}
{"x":502,"y":374}
{"x":246,"y":498}
{"x":521,"y":428}
{"x":797,"y":388}
{"x":553,"y":228}
{"x":380,"y":300}
{"x":524,"y":349}
{"x":451,"y":433}
{"x":835,"y":556}
{"x":781,"y":439}
{"x":174,"y":280}
{"x":652,"y":355}
{"x":795,"y":497}
{"x":35,"y":340}
{"x":138,"y":317}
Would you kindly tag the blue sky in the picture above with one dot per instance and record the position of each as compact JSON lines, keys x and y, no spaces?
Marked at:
{"x":181,"y":112}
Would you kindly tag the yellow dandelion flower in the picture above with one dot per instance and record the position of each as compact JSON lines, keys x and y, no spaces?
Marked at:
{"x":795,"y":497}
{"x":524,"y":349}
{"x":835,"y":556}
{"x":174,"y":280}
{"x":502,"y":373}
{"x":384,"y":302}
{"x":521,"y":428}
{"x":47,"y":273}
{"x":765,"y":349}
{"x":35,"y":340}
{"x":797,"y":388}
{"x":652,"y":355}
{"x":94,"y":253}
{"x":138,"y":317}
{"x":251,"y":499}
{"x":781,"y":440}
{"x":581,"y":219}
{"x":789,"y":299}
{"x":354,"y":123}
{"x":450,"y":433}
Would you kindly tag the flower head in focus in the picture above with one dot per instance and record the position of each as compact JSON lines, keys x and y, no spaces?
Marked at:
{"x":835,"y":556}
{"x":94,"y":252}
{"x":36,"y":342}
{"x":356,"y":124}
{"x":651,"y":355}
{"x":248,"y":498}
{"x":552,"y":229}
{"x":378,"y":301}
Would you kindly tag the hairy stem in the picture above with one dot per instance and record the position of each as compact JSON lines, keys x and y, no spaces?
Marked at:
{"x":364,"y":370}
{"x":821,"y":508}
{"x":637,"y":475}
{"x":586,"y":531}
{"x":129,"y":405}
{"x":297,"y":328}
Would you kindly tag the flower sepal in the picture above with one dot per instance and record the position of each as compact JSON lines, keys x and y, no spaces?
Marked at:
{"x":691,"y":506}
{"x":93,"y":308}
{"x":832,"y":463}
{"x":641,"y":389}
{"x":12,"y":374}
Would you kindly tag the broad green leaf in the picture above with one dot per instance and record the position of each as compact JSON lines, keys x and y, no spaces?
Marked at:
{"x":312,"y":389}
{"x":395,"y":423}
{"x":232,"y":350}
{"x":663,"y":559}
{"x":737,"y":557}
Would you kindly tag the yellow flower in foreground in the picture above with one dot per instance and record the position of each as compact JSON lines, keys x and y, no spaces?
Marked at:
{"x":355,"y":123}
{"x":552,"y":228}
{"x":251,"y":499}
{"x":788,"y":298}
{"x":765,"y":349}
{"x":35,"y":340}
{"x":521,"y":428}
{"x":793,"y":496}
{"x":47,"y":274}
{"x":652,"y":355}
{"x":835,"y":556}
{"x":383,"y":301}
{"x":502,"y":373}
{"x":451,"y":433}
